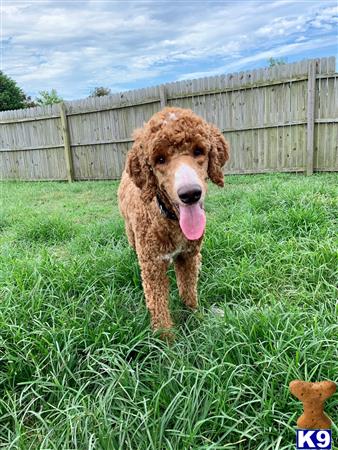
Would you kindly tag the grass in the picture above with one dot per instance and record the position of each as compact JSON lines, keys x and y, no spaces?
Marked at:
{"x":79,"y":366}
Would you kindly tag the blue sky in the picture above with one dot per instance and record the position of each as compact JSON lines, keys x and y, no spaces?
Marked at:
{"x":73,"y":46}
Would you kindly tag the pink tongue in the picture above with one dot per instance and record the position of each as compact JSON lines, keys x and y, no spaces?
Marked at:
{"x":192,"y":221}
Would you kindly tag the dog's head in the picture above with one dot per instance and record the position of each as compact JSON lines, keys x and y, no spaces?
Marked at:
{"x":174,"y":154}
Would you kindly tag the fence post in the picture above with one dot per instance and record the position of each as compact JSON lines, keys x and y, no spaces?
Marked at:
{"x":66,"y":142}
{"x":163,"y":96}
{"x":311,"y":94}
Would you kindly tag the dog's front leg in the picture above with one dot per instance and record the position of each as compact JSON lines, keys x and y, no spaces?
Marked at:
{"x":156,"y":290}
{"x":186,"y":268}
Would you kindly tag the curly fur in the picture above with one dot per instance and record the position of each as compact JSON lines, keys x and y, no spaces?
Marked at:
{"x":174,"y":133}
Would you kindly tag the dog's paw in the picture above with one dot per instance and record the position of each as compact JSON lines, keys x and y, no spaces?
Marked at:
{"x":165,"y":334}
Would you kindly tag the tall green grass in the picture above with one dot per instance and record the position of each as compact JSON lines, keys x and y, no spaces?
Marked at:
{"x":79,"y":365}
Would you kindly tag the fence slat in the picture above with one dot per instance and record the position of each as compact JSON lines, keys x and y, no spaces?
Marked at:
{"x":66,"y":142}
{"x":310,"y":117}
{"x":163,"y":96}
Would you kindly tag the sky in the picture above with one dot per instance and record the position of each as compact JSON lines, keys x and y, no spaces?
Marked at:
{"x":74,"y":46}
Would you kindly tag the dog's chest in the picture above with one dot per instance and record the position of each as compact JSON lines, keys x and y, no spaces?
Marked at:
{"x":172,"y":255}
{"x":175,"y":244}
{"x":185,"y":248}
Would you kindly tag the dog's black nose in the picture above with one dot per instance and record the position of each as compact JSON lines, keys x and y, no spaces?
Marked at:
{"x":190,"y":195}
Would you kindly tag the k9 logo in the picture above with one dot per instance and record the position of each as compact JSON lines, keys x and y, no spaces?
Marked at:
{"x":314,"y":439}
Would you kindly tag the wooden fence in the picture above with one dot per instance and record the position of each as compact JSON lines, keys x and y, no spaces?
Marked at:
{"x":283,"y":118}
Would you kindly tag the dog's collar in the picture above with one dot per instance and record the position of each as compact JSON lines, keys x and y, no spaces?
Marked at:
{"x":166,"y":212}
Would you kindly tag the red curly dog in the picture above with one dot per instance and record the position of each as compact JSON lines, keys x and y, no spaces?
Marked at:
{"x":161,"y":198}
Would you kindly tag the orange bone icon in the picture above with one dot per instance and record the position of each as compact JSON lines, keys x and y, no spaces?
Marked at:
{"x":313,"y":396}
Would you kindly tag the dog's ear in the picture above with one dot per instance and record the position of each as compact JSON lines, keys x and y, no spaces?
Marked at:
{"x":140,"y":170}
{"x":218,"y":155}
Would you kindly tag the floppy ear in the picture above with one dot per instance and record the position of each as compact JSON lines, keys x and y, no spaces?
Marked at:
{"x":140,"y":171}
{"x":218,"y":155}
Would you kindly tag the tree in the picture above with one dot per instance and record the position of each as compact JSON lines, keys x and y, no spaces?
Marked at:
{"x":11,"y":96}
{"x":276,"y":61}
{"x":29,"y":103}
{"x":100,"y":92}
{"x":48,"y":98}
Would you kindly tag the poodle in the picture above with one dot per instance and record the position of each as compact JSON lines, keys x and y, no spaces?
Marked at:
{"x":161,"y":197}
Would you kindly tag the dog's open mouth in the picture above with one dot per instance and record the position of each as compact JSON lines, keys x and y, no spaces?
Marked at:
{"x":192,"y":220}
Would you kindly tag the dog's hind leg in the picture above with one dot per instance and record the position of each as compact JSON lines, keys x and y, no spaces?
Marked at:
{"x":130,"y":235}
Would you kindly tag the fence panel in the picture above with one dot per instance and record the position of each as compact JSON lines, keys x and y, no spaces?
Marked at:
{"x":264,"y":114}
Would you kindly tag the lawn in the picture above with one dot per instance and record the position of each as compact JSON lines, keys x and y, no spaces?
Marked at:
{"x":79,"y":365}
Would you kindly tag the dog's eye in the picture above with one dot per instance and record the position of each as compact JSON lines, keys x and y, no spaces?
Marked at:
{"x":198,"y":151}
{"x":160,"y":159}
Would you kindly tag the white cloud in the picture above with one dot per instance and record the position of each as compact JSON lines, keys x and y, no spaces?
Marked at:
{"x":326,"y":19}
{"x":283,"y":26}
{"x":74,"y":46}
{"x":279,"y":51}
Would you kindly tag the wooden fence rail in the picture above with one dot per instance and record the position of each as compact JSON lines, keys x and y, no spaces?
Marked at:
{"x":279,"y":119}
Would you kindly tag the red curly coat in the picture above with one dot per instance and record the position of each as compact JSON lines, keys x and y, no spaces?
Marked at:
{"x":165,"y":179}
